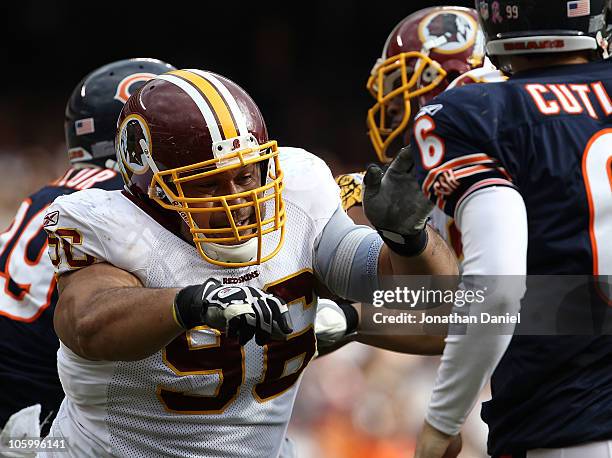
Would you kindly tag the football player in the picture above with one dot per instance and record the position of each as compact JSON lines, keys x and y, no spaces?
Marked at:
{"x":429,"y":51}
{"x":28,"y":368}
{"x":524,"y":167}
{"x":422,"y":55}
{"x":187,"y":301}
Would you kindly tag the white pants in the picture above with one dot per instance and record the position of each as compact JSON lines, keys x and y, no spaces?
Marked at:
{"x":591,"y":450}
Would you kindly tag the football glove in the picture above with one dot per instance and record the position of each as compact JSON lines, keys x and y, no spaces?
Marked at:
{"x":396,"y":206}
{"x":335,"y":325}
{"x":240,"y":311}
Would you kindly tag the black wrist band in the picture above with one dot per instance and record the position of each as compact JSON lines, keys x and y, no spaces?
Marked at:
{"x":188,"y":307}
{"x":406,"y":245}
{"x":352,"y":318}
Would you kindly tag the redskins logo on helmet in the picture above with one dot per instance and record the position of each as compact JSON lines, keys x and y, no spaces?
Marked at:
{"x":422,"y":55}
{"x":189,"y":125}
{"x":452,"y":31}
{"x":134,"y":141}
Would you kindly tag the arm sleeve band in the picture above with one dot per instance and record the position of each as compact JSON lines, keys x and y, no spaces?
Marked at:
{"x":346,"y":258}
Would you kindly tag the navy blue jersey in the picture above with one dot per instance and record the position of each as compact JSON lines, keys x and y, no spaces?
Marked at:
{"x":548,"y":134}
{"x":28,"y":347}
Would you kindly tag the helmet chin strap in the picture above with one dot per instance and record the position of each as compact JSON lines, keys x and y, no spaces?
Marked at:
{"x":243,"y":252}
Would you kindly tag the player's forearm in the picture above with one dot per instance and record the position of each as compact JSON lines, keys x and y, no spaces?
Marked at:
{"x":436,"y":259}
{"x":343,"y":254}
{"x":414,"y":345}
{"x":104,"y":313}
{"x":128,"y":324}
{"x":336,"y":324}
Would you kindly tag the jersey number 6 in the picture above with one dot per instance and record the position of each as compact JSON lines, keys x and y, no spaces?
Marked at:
{"x":430,"y":145}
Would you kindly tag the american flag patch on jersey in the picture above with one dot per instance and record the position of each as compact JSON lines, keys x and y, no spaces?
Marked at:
{"x":578,"y":8}
{"x":84,"y":126}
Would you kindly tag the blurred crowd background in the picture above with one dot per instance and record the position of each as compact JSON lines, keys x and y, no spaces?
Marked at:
{"x":363,"y":402}
{"x":306,"y":65}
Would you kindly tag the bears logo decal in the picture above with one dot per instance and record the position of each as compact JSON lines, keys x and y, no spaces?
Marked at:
{"x":125,"y":89}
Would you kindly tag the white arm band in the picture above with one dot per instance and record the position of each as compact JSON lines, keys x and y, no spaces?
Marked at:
{"x":493,"y":225}
{"x":345,"y":258}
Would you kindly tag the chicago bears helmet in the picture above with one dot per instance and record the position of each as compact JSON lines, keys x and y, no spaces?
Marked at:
{"x":95,"y":103}
{"x":189,"y":125}
{"x":527,"y":27}
{"x":422,"y":55}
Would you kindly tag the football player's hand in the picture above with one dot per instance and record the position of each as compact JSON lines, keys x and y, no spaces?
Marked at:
{"x":335,"y":325}
{"x":241,"y":311}
{"x":432,"y":443}
{"x":393,"y":200}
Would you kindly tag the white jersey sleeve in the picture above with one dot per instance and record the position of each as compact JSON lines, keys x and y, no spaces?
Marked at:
{"x":85,"y":231}
{"x":309,"y":184}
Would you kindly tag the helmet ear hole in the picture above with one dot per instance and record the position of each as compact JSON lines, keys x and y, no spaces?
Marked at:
{"x":429,"y":74}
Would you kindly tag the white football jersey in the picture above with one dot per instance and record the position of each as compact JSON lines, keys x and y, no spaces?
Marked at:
{"x":202,"y":395}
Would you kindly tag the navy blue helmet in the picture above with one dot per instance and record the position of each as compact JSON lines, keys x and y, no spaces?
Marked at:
{"x":94,"y":106}
{"x":528,"y":27}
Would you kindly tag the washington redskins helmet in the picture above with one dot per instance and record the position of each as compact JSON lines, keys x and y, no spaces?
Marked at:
{"x":95,"y":103}
{"x":187,"y":125}
{"x":422,"y":55}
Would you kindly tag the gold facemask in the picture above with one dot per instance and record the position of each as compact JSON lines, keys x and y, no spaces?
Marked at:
{"x":269,"y":209}
{"x":417,"y":75}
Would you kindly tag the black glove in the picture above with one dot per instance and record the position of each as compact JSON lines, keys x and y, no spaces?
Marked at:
{"x":241,"y":311}
{"x":396,"y":206}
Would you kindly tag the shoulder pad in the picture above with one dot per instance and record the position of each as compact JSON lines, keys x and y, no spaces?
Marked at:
{"x":478,"y":75}
{"x":309,"y":184}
